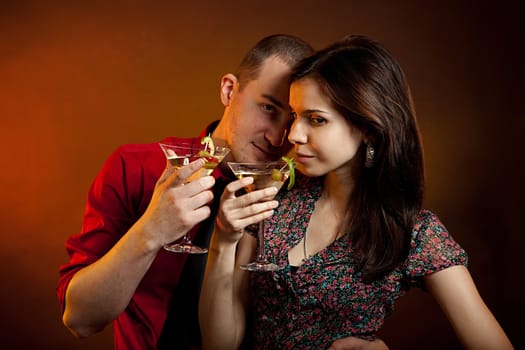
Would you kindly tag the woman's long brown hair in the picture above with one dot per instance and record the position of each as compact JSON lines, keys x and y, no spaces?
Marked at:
{"x":368,"y":87}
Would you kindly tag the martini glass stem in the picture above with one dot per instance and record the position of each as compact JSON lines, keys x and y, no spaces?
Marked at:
{"x":186,"y":239}
{"x":261,"y":257}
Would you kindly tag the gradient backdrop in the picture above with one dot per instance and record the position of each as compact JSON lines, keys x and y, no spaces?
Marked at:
{"x":79,"y":78}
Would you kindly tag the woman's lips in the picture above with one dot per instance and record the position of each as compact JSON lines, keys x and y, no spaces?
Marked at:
{"x":302,"y":158}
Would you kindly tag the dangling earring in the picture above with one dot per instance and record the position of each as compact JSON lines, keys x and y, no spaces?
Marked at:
{"x":370,"y":153}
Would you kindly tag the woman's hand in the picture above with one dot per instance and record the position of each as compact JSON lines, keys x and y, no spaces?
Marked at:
{"x":237,"y":212}
{"x":354,"y":343}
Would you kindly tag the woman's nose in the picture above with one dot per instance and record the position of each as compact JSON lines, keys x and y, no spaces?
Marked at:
{"x":297,"y":134}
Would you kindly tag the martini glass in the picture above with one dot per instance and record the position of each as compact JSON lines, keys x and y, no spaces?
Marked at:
{"x":265,"y":174}
{"x":181,"y":154}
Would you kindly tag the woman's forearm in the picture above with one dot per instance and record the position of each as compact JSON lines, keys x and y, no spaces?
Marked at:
{"x":474,"y":324}
{"x":221,"y":308}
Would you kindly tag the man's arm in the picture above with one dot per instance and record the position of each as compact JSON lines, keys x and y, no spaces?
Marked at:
{"x":98,"y":293}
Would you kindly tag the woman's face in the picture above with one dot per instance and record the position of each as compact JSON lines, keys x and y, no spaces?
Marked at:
{"x":323,"y":140}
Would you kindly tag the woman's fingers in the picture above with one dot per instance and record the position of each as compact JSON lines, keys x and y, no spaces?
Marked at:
{"x":237,"y":185}
{"x":237,"y":212}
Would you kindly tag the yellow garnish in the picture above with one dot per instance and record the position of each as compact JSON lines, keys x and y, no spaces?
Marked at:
{"x":292,"y":172}
{"x":207,"y":140}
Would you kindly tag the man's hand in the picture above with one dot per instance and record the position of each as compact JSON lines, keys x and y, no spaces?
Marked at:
{"x":177,"y":205}
{"x":354,"y":343}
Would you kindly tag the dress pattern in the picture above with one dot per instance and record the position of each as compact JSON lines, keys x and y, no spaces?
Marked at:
{"x":310,"y":306}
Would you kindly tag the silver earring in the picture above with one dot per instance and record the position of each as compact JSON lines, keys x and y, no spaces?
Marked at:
{"x":370,"y":153}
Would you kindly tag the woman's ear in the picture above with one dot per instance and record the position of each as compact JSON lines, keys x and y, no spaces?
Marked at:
{"x":368,"y":137}
{"x":229,"y":84}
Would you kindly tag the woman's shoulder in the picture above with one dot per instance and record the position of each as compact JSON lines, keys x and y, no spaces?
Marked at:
{"x":432,"y":247}
{"x":426,"y":218}
{"x":429,"y":227}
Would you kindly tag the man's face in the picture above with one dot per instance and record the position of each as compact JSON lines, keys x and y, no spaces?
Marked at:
{"x":258,"y":116}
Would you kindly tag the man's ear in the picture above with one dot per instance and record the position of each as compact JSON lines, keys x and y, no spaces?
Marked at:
{"x":229,"y":83}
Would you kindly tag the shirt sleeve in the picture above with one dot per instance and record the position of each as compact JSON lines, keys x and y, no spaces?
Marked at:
{"x":107,"y":216}
{"x":432,"y":249}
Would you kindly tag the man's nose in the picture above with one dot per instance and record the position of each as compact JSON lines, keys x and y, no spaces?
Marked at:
{"x":277,"y":138}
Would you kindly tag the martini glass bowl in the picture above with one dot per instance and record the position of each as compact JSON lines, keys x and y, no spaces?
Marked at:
{"x":181,"y":154}
{"x":265,"y":174}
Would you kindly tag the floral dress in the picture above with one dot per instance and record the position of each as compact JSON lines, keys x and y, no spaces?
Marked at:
{"x":310,"y":306}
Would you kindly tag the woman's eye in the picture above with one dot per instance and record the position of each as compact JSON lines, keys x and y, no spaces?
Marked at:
{"x":317,"y":120}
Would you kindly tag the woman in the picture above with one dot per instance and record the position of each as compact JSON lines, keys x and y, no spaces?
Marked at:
{"x":352,"y":234}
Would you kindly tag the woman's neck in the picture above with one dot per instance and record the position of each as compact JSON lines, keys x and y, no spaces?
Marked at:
{"x":338,"y":188}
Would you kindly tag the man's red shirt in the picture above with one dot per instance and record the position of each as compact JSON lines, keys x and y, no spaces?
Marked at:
{"x":117,"y":198}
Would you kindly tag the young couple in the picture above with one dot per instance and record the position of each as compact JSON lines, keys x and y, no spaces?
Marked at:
{"x":351,"y":232}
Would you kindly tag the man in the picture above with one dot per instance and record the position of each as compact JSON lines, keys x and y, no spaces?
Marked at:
{"x":118,"y":271}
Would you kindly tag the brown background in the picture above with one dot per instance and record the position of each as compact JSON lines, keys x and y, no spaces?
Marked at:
{"x":79,"y":78}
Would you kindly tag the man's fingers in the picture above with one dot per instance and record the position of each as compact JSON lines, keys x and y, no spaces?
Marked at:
{"x":178,"y":177}
{"x":166,"y":173}
{"x":200,"y":199}
{"x":186,"y":171}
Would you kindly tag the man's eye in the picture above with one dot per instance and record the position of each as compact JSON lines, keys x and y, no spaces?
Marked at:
{"x":268,"y":108}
